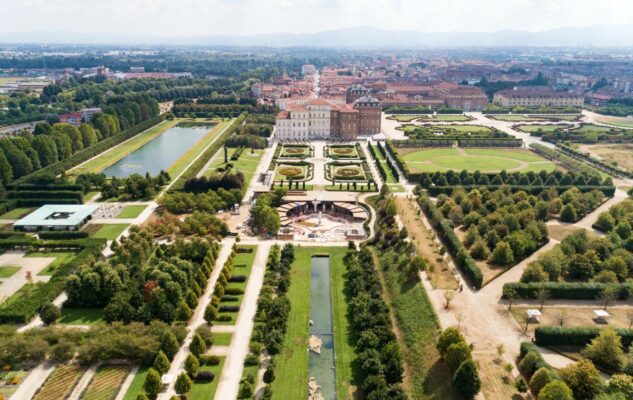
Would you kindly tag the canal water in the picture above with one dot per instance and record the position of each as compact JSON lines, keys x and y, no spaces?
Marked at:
{"x":321,"y":366}
{"x":159,"y":153}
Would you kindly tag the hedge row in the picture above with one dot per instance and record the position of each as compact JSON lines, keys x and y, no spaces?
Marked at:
{"x":390,"y":165}
{"x":445,"y":231}
{"x":608,"y":191}
{"x":7,"y":206}
{"x":11,"y":234}
{"x":53,"y":187}
{"x":567,"y":290}
{"x":529,"y":347}
{"x":195,"y":168}
{"x":575,"y":336}
{"x":568,"y":162}
{"x":50,"y":195}
{"x":492,"y":142}
{"x":25,"y":303}
{"x":60,"y":235}
{"x":599,"y":164}
{"x":87,"y":153}
{"x":399,"y":161}
{"x":37,"y":202}
{"x":423,"y":143}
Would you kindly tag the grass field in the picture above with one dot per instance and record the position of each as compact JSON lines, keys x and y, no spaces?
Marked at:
{"x":179,"y":166}
{"x":292,"y":362}
{"x":114,"y":154}
{"x":206,"y":390}
{"x":418,"y":326}
{"x":404,"y":117}
{"x":60,"y":258}
{"x":246,"y":260}
{"x":543,"y":128}
{"x":246,"y":164}
{"x":7,"y":271}
{"x":136,"y":387}
{"x":617,"y":121}
{"x":622,"y":154}
{"x":445,"y":118}
{"x":81,"y":316}
{"x":110,"y":231}
{"x":396,"y":188}
{"x":484,"y":160}
{"x":131,"y":211}
{"x":382,"y":164}
{"x":222,"y":339}
{"x":106,"y":383}
{"x":17,"y":213}
{"x":591,"y":128}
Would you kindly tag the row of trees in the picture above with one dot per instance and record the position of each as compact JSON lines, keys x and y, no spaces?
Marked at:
{"x":133,"y":187}
{"x":378,"y":351}
{"x":264,"y":215}
{"x":273,"y":309}
{"x":209,"y":202}
{"x":457,"y":354}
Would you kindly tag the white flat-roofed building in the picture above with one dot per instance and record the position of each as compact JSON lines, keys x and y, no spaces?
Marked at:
{"x":56,"y":217}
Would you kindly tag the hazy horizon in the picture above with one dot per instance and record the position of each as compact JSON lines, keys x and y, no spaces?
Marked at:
{"x":189,"y":18}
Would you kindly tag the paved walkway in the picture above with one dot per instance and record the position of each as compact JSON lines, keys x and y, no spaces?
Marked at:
{"x":177,"y":364}
{"x":126,"y":384}
{"x":83,"y":382}
{"x":234,"y":364}
{"x":33,"y":381}
{"x":34,"y":265}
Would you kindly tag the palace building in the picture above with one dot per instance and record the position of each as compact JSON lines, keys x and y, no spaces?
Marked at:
{"x":322,"y":119}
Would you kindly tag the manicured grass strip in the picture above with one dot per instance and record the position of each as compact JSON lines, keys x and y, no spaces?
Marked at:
{"x":419,"y":327}
{"x":246,"y":260}
{"x":81,"y":316}
{"x":222,"y":339}
{"x":291,"y":380}
{"x":206,"y":390}
{"x":110,"y":231}
{"x":17,"y":213}
{"x":246,"y":164}
{"x":60,"y":383}
{"x":60,"y":258}
{"x":344,"y":352}
{"x":132,"y":211}
{"x":396,"y":188}
{"x":8,"y":271}
{"x":113,"y":155}
{"x":136,"y":387}
{"x":106,"y":383}
{"x":179,"y":166}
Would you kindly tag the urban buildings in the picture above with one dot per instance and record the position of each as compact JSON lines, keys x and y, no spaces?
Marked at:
{"x":534,"y":97}
{"x":322,"y":119}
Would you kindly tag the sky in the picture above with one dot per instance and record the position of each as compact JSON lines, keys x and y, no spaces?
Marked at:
{"x":178,"y":18}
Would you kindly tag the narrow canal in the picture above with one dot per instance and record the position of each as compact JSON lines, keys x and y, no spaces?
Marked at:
{"x":321,"y":366}
{"x":159,"y":153}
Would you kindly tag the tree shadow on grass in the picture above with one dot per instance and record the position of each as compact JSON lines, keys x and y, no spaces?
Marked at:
{"x":438,"y":382}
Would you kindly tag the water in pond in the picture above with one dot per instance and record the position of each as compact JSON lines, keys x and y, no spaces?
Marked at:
{"x":321,"y":366}
{"x":159,"y":153}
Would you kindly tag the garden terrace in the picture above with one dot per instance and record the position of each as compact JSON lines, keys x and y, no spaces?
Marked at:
{"x":540,"y":130}
{"x":344,"y":151}
{"x":295,"y":151}
{"x":586,"y":133}
{"x":533,"y":118}
{"x":419,"y":160}
{"x":615,"y":121}
{"x":344,"y":172}
{"x":293,"y":171}
{"x":453,"y":132}
{"x":106,"y":383}
{"x":60,"y":384}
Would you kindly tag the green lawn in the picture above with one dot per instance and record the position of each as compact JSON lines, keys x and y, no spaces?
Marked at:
{"x":292,"y":363}
{"x":110,"y":231}
{"x":245,"y":259}
{"x":382,"y":164}
{"x":179,"y":166}
{"x":543,"y":128}
{"x":590,"y":128}
{"x":206,"y":391}
{"x":60,"y":258}
{"x":7,"y":271}
{"x":81,"y":316}
{"x":246,"y":164}
{"x":283,"y":170}
{"x":418,"y":325}
{"x":396,"y":188}
{"x":615,"y":121}
{"x":484,"y":160}
{"x":222,"y":339}
{"x":17,"y":213}
{"x":136,"y":387}
{"x":404,"y":117}
{"x":132,"y":211}
{"x":445,"y":118}
{"x":111,"y":156}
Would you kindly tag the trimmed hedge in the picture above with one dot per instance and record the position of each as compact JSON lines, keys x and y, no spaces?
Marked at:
{"x":49,"y":195}
{"x":608,"y":191}
{"x":24,"y":304}
{"x":575,"y":336}
{"x":11,"y":234}
{"x":62,"y":235}
{"x":490,"y":142}
{"x":566,"y":161}
{"x":7,"y":206}
{"x":86,"y":154}
{"x":529,"y":347}
{"x":567,"y":290}
{"x":52,"y":187}
{"x":37,"y":202}
{"x":445,"y":231}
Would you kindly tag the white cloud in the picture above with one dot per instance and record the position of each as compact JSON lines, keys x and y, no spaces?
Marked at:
{"x":212,"y":17}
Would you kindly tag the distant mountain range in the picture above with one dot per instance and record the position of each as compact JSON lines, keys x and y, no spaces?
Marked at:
{"x":599,"y":36}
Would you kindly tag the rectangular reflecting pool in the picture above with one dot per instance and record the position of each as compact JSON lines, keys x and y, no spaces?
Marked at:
{"x":159,"y":153}
{"x":321,"y":366}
